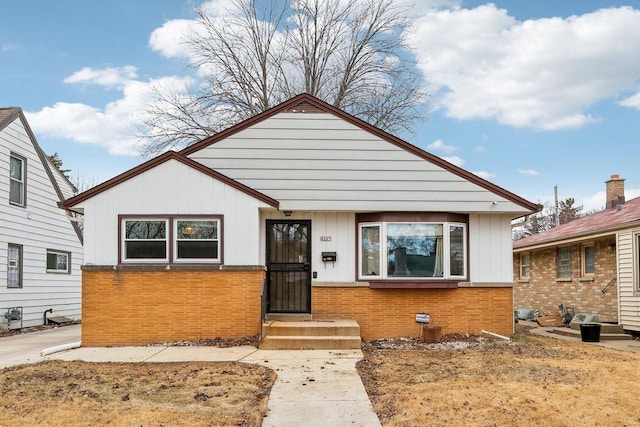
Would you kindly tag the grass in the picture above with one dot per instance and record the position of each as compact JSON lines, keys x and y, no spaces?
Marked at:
{"x":532,"y":381}
{"x":57,"y":393}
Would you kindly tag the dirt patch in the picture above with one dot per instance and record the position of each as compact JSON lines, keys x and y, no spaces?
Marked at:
{"x":59,"y":393}
{"x":532,"y":381}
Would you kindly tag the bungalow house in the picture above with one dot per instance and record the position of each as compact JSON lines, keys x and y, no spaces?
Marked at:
{"x":40,"y":248}
{"x":337,"y":218}
{"x":590,"y":264}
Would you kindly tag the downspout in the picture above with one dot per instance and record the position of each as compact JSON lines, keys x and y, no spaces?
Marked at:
{"x":44,"y":316}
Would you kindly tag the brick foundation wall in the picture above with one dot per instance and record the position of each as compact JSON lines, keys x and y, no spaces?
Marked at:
{"x":123,"y":308}
{"x":544,"y":292}
{"x":392,"y":312}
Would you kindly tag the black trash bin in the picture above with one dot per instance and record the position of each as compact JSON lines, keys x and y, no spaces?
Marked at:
{"x":590,"y":332}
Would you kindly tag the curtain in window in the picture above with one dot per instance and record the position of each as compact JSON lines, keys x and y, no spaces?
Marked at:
{"x":438,"y":271}
{"x":13,"y":275}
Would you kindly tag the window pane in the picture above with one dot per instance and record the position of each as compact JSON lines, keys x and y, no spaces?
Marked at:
{"x":590,"y":259}
{"x":13,"y":273}
{"x":564,"y":263}
{"x":456,"y":250}
{"x":145,"y":249}
{"x":198,"y":249}
{"x":16,"y":168}
{"x":145,"y":229}
{"x":197,"y":229}
{"x":52,"y":261}
{"x":414,"y":250}
{"x":15,"y":192}
{"x":525,"y":265}
{"x":370,"y":250}
{"x":56,"y":261}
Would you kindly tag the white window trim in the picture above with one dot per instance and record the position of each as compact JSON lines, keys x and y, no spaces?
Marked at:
{"x":383,"y":251}
{"x":175,"y":241}
{"x":583,"y":256}
{"x":57,"y":271}
{"x":23,"y":195}
{"x":124,"y":239}
{"x":522,"y":255}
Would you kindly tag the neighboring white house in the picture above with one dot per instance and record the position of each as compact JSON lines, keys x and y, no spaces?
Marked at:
{"x":340,"y":219}
{"x":40,"y":248}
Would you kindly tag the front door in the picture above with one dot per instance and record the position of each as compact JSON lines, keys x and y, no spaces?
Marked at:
{"x":288,"y":266}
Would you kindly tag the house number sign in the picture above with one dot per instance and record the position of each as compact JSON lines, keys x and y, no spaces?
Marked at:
{"x":325,"y":238}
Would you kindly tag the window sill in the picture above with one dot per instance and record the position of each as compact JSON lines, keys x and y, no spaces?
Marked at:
{"x":566,"y":279}
{"x":524,"y":280}
{"x":586,"y":279}
{"x":413,"y":284}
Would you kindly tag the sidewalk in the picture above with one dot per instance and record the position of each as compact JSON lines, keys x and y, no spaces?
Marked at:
{"x":313,"y":387}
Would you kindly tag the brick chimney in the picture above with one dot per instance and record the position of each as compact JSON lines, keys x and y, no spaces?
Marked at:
{"x":615,"y":191}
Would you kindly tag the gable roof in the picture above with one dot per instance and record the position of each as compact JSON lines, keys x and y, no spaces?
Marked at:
{"x":308,"y":103}
{"x":7,"y":116}
{"x":604,"y":222}
{"x":169,"y":155}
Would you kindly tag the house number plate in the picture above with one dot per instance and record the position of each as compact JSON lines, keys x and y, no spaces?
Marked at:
{"x":325,"y":238}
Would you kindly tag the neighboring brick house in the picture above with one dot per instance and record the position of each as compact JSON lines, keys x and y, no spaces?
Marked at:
{"x":589,"y":264}
{"x":340,"y":219}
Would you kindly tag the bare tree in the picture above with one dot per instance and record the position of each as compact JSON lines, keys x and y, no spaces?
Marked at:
{"x":350,"y":53}
{"x":567,"y":211}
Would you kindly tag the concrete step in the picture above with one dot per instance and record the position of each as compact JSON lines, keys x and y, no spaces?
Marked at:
{"x":289,"y":317}
{"x":312,"y":328}
{"x":605,"y":328}
{"x":309,"y":343}
{"x":604,"y":336}
{"x":313,"y":334}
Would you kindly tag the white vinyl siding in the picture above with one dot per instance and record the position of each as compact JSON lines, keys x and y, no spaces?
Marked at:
{"x":628,"y":248}
{"x":36,"y":227}
{"x":319,"y":162}
{"x":172,"y":189}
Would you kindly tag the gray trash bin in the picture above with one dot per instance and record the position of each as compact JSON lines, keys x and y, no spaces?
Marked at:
{"x":590,"y":332}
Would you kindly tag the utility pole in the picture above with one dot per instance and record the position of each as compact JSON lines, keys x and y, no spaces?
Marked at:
{"x":557,"y":213}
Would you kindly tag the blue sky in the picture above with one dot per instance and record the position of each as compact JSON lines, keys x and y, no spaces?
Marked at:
{"x":525,"y":94}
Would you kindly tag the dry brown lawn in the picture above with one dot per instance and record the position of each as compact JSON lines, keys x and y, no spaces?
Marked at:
{"x":534,"y":381}
{"x":57,"y":393}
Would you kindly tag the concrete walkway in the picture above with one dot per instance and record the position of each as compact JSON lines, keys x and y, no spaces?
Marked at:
{"x":313,"y":387}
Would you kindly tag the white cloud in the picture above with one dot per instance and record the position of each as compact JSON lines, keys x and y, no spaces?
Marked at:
{"x":540,"y":73}
{"x":113,"y":127}
{"x":110,"y":77}
{"x":480,"y":149}
{"x":528,"y":172}
{"x":454,"y":160}
{"x":632,"y":101}
{"x":168,"y":39}
{"x":438,"y":145}
{"x":484,"y":174}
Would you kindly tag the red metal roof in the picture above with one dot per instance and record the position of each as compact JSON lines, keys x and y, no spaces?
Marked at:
{"x":600,"y":222}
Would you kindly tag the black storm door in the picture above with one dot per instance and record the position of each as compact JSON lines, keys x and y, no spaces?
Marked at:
{"x":288,"y":266}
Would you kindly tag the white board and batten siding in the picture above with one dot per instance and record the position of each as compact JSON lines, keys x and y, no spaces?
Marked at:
{"x":489,"y":246}
{"x":172,"y":188}
{"x":330,"y":232}
{"x":39,"y":226}
{"x":628,"y":293}
{"x":320,"y":162}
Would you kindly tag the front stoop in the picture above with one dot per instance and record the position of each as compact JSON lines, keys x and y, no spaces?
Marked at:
{"x":311,"y":335}
{"x":608,"y":331}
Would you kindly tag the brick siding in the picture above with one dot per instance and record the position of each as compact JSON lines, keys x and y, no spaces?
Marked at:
{"x":544,"y":292}
{"x":392,"y":312}
{"x":121,"y":308}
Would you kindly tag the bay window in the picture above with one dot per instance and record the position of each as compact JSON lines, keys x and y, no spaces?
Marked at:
{"x":423,"y":250}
